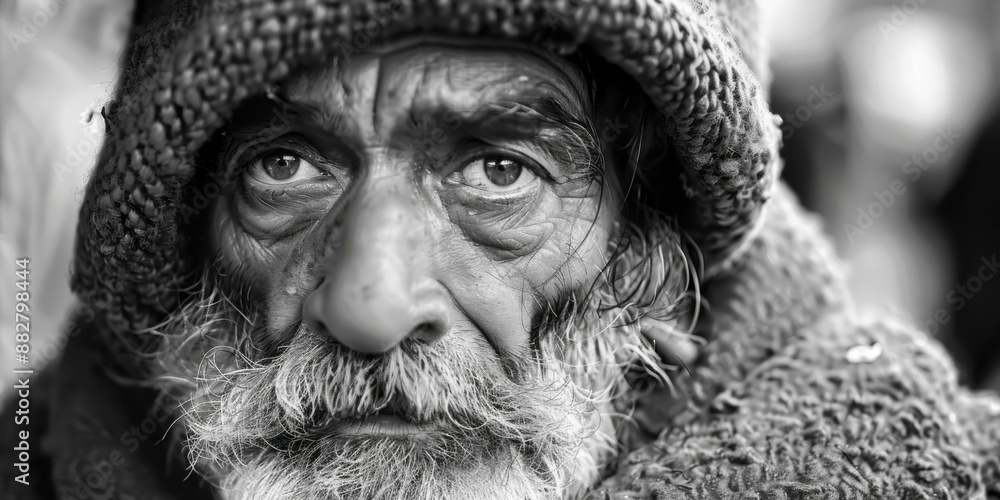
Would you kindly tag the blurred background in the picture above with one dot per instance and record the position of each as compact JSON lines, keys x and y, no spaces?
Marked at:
{"x":891,"y":128}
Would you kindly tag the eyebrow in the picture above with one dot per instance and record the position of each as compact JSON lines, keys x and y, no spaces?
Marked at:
{"x":271,"y":116}
{"x":260,"y":115}
{"x":542,"y":120}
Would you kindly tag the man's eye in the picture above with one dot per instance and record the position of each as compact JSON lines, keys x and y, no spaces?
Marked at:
{"x":282,"y":167}
{"x":496,"y":173}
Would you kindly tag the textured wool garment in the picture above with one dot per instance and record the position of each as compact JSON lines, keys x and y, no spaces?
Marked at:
{"x":797,"y":394}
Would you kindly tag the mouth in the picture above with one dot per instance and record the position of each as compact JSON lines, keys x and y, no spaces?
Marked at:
{"x":384,"y":423}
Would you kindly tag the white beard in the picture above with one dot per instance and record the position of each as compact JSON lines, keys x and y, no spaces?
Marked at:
{"x":554,"y":447}
{"x":386,"y":469}
{"x":256,"y":424}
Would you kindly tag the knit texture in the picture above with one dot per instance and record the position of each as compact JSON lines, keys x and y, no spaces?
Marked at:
{"x":796,"y":395}
{"x":192,"y":66}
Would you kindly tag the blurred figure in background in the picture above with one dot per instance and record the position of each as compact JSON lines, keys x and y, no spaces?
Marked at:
{"x":881,"y":103}
{"x":58,"y":59}
{"x":969,"y":214}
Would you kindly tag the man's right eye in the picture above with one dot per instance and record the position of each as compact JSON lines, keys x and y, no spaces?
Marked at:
{"x":282,"y":167}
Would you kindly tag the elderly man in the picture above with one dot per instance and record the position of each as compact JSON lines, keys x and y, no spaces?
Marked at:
{"x":476,"y":249}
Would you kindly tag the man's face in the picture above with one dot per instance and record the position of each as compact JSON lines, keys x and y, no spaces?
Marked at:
{"x":426,"y":193}
{"x":411,"y":250}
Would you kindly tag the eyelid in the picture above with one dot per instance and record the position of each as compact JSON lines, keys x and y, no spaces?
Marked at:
{"x":295,"y":144}
{"x":525,"y":184}
{"x":479,"y":149}
{"x":252,"y":167}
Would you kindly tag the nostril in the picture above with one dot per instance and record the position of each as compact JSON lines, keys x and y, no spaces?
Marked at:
{"x":428,"y":332}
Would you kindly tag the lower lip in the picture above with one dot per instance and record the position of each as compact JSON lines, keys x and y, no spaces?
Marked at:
{"x":381,"y":425}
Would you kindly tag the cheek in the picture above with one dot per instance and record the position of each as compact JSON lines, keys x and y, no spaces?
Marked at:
{"x":504,"y":230}
{"x":574,"y":254}
{"x":266,"y":272}
{"x":236,"y":247}
{"x":501,"y":262}
{"x":505,"y":263}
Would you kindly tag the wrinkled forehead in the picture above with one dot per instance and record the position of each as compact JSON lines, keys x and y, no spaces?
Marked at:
{"x":422,"y":75}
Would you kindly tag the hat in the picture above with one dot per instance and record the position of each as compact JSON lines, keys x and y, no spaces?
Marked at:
{"x":191,"y":63}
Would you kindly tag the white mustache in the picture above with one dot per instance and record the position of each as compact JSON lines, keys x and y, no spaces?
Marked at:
{"x":313,"y":384}
{"x":247,"y":410}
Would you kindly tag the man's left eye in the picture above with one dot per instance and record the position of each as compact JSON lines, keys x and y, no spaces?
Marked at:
{"x":496,"y":174}
{"x":282,"y":167}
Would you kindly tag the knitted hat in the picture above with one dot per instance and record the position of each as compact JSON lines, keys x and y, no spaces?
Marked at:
{"x":191,"y":63}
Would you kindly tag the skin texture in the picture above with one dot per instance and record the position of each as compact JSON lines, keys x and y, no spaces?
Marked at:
{"x":421,"y":243}
{"x":382,"y":237}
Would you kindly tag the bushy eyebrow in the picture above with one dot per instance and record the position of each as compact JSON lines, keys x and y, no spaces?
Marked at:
{"x":543,"y":121}
{"x":264,"y":116}
{"x":271,"y":116}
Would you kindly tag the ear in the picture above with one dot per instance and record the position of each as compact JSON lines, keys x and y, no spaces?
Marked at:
{"x":675,"y":347}
{"x":654,"y":411}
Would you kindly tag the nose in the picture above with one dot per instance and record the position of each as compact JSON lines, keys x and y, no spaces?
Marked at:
{"x":376,"y":289}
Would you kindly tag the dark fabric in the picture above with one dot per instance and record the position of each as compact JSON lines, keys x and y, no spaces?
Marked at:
{"x":98,"y":436}
{"x":966,"y":215}
{"x":39,"y":411}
